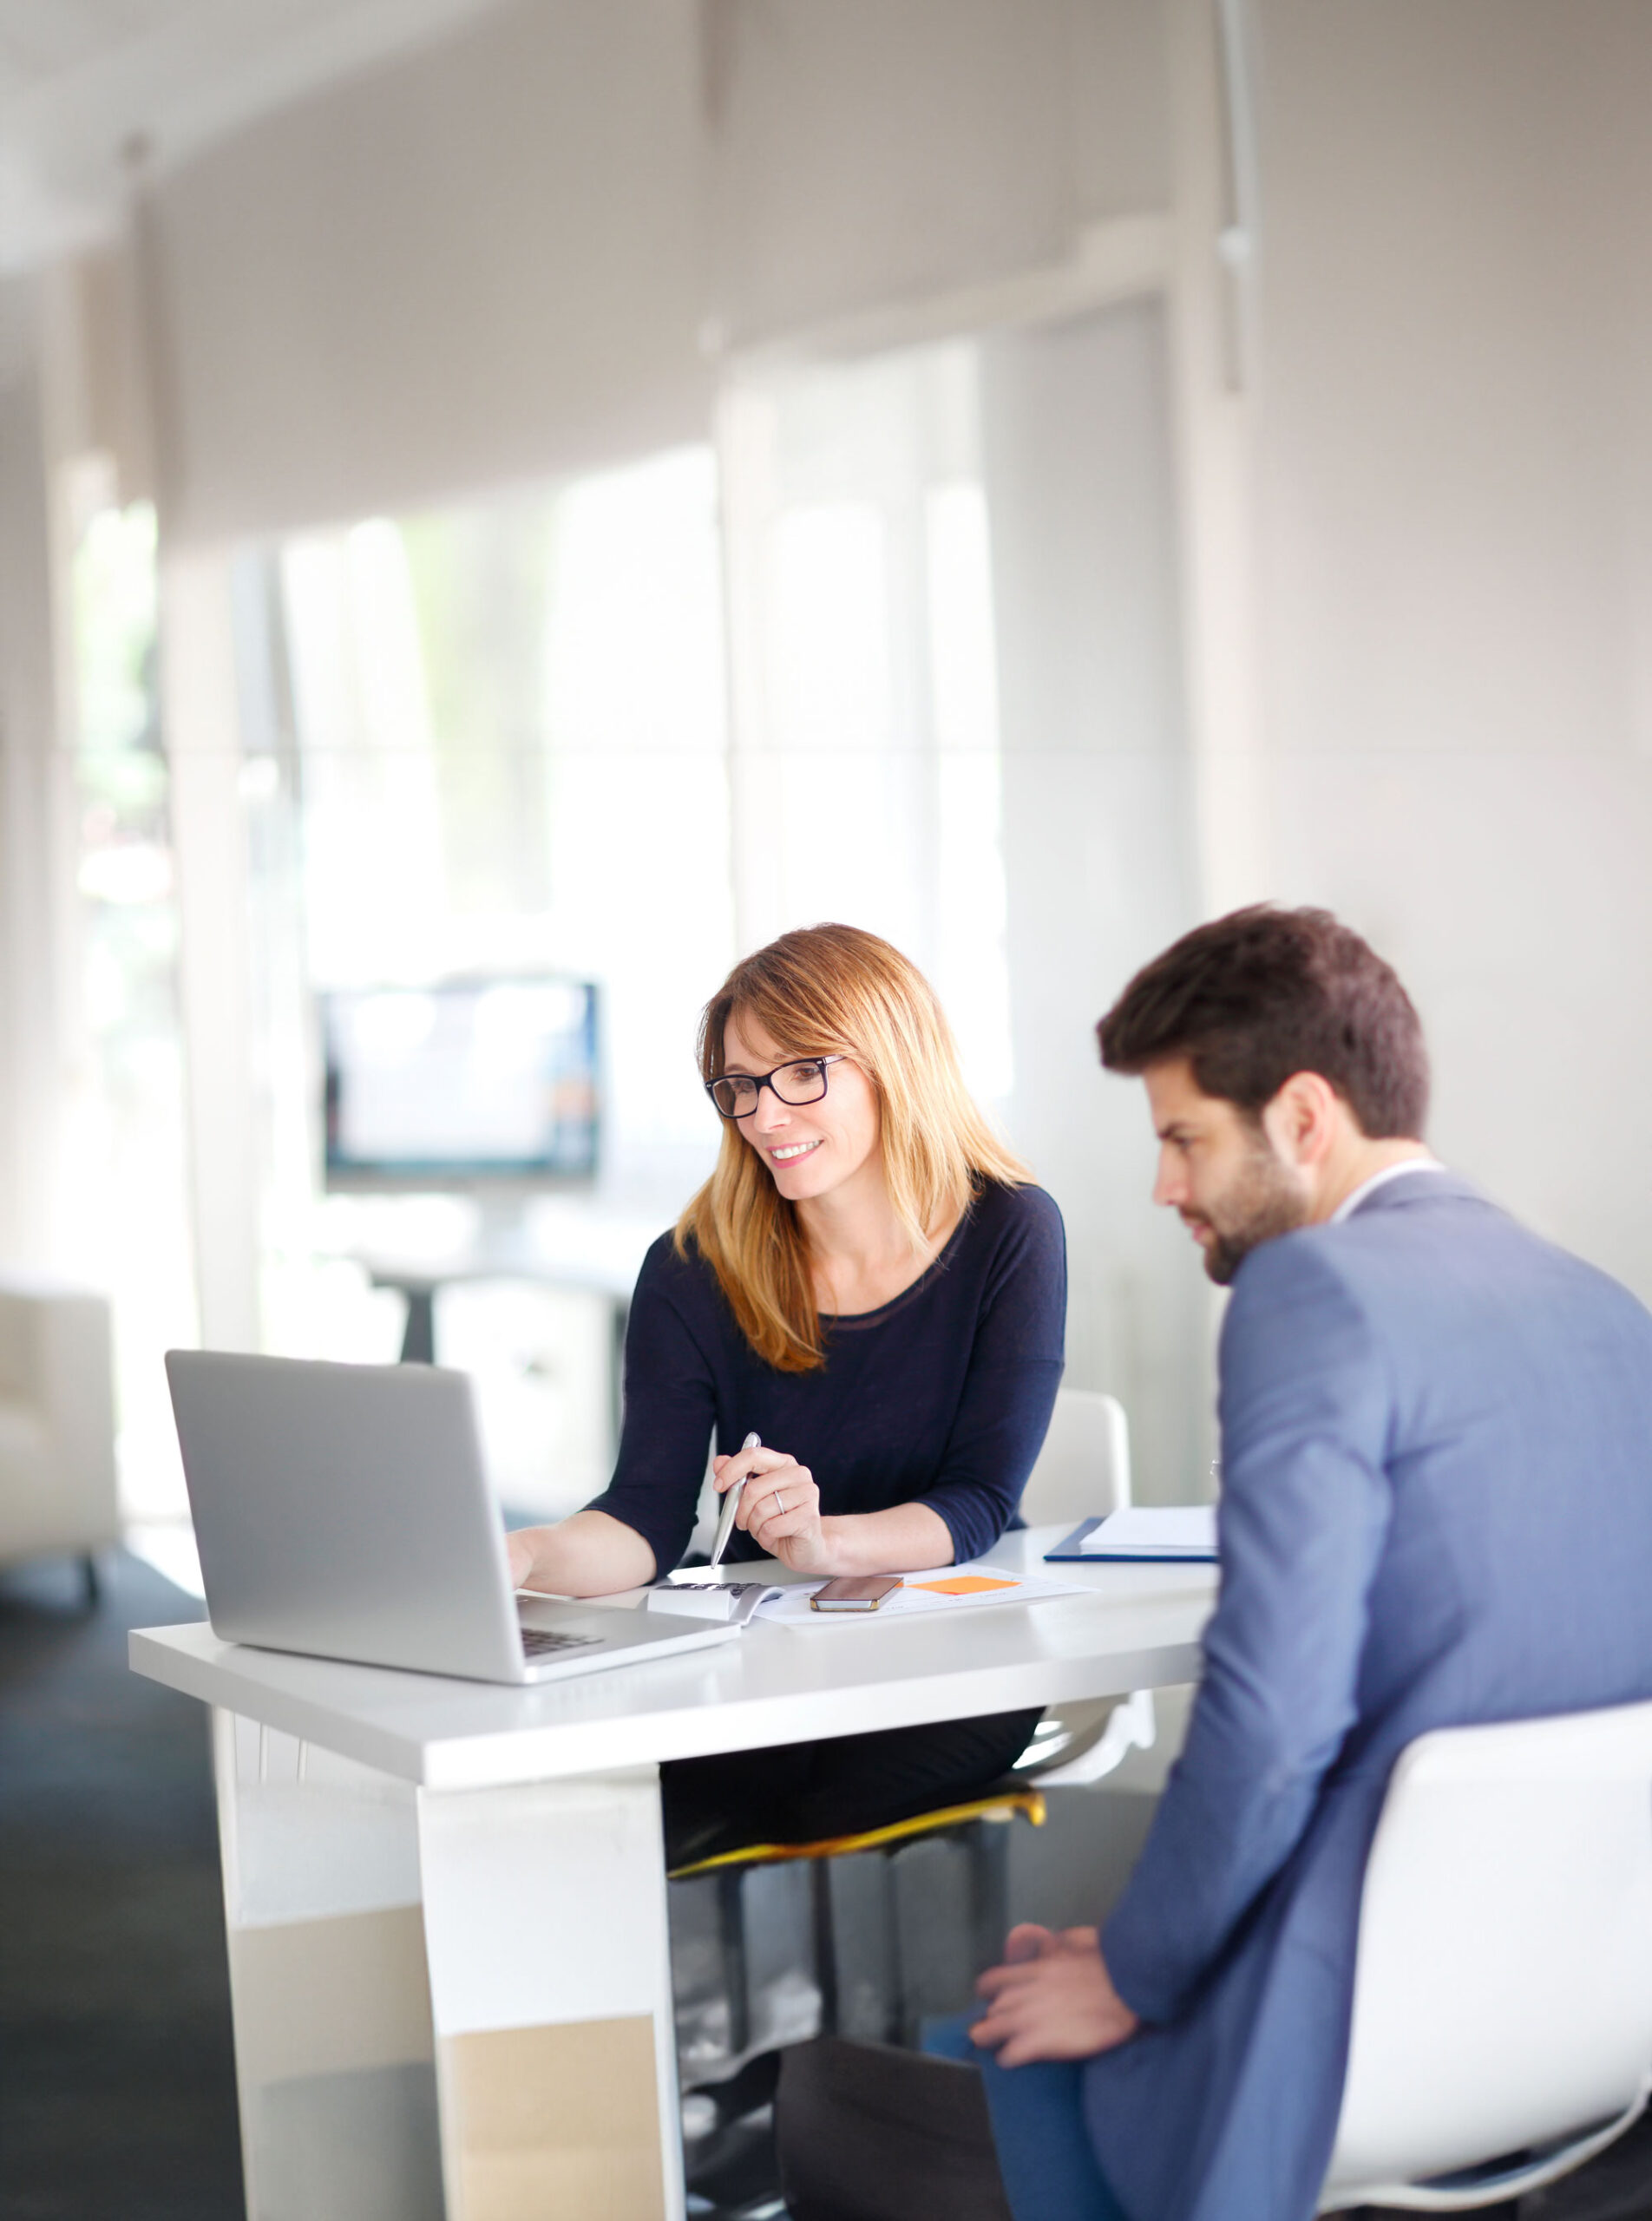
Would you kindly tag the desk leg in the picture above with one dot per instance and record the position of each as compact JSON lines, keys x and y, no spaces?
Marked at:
{"x":334,"y":2054}
{"x":449,"y":2006}
{"x":550,"y":1985}
{"x":418,"y":1334}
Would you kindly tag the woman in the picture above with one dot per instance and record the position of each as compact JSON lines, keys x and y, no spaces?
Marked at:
{"x":867,"y":1282}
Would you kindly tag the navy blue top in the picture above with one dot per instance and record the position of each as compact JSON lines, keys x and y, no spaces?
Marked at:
{"x":940,"y":1398}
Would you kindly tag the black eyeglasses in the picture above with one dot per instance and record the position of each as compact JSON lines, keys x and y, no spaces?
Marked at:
{"x":805,"y":1081}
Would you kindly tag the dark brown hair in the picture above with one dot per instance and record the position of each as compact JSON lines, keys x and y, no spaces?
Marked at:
{"x":1254,"y":997}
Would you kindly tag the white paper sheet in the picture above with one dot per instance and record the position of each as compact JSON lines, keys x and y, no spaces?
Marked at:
{"x":791,"y":1607}
{"x":1155,"y":1530}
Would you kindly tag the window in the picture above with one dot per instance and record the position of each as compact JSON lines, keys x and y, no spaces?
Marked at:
{"x":496,"y":744}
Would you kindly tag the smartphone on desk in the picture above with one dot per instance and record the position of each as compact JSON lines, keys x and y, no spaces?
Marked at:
{"x":858,"y":1592}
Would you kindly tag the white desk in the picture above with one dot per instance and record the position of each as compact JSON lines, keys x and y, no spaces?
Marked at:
{"x":446,"y":1902}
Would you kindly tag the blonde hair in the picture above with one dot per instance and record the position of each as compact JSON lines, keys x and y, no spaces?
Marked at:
{"x":836,"y":990}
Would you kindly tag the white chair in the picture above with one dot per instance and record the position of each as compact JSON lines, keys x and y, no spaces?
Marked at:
{"x":1082,"y":1470}
{"x":1502,"y":2030}
{"x":1084,"y":1467}
{"x":57,"y":1490}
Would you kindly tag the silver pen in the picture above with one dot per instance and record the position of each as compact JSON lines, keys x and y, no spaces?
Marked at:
{"x":730,"y":1504}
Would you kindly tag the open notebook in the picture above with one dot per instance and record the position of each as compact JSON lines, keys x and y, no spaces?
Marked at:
{"x":735,"y":1602}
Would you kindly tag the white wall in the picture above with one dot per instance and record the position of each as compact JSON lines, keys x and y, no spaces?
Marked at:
{"x":1453,"y":542}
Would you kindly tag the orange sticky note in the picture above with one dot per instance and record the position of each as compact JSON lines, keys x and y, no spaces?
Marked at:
{"x":964,"y":1584}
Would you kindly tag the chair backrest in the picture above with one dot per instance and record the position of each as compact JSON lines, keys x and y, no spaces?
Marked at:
{"x":57,"y":1485}
{"x":1502,"y":1988}
{"x":1084,"y":1467}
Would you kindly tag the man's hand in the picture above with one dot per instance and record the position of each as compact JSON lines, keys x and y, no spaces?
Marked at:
{"x":1053,"y":1998}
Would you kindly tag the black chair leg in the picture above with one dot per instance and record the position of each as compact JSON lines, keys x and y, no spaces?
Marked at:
{"x":91,"y":1580}
{"x":989,"y":1876}
{"x":906,"y":2016}
{"x":950,"y":1895}
{"x":731,"y":1931}
{"x":820,"y":1893}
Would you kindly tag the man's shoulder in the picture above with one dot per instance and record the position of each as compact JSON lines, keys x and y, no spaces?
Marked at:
{"x":1404,"y":1217}
{"x":1418,"y":1242}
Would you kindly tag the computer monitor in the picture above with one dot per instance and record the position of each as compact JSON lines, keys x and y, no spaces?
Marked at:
{"x":471,"y":1082}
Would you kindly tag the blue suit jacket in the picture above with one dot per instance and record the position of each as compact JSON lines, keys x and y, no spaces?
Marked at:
{"x":1436,"y":1508}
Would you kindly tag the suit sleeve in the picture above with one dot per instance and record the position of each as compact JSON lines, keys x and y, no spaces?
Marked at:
{"x":1305,"y":1406}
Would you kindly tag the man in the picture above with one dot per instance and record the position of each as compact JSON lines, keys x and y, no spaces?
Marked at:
{"x":1436,"y":1509}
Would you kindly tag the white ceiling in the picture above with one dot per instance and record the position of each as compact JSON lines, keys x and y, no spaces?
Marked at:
{"x":90,"y":88}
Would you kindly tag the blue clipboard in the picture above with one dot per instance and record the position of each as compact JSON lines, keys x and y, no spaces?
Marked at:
{"x":1069,"y":1551}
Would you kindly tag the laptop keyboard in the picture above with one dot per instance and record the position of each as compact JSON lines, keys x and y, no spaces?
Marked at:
{"x":539,"y":1642}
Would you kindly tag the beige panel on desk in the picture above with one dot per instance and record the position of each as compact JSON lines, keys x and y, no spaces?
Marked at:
{"x":558,"y":2121}
{"x":322,"y":1996}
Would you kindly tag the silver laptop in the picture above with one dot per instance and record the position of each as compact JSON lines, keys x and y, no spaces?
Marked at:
{"x":341,"y":1510}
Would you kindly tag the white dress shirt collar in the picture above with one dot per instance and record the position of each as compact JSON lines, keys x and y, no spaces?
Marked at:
{"x":1349,"y":1204}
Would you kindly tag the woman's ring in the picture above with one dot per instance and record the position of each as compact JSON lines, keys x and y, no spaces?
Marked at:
{"x":780,"y":1500}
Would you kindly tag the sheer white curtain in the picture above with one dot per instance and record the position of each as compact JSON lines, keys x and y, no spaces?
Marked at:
{"x":865,"y":739}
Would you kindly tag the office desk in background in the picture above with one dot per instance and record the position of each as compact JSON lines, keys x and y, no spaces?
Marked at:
{"x":446,"y":1902}
{"x":576,"y":1246}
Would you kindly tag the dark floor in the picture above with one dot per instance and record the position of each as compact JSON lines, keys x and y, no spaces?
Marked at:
{"x":117,"y":2096}
{"x":117,"y":2093}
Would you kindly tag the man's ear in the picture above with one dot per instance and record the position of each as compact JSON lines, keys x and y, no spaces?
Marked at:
{"x":1302,"y":1121}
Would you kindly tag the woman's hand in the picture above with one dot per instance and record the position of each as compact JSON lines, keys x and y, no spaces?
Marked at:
{"x":780,"y":1508}
{"x":781,"y":1511}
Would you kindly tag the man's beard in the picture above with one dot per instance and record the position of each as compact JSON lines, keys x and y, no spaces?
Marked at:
{"x":1263,"y":1202}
